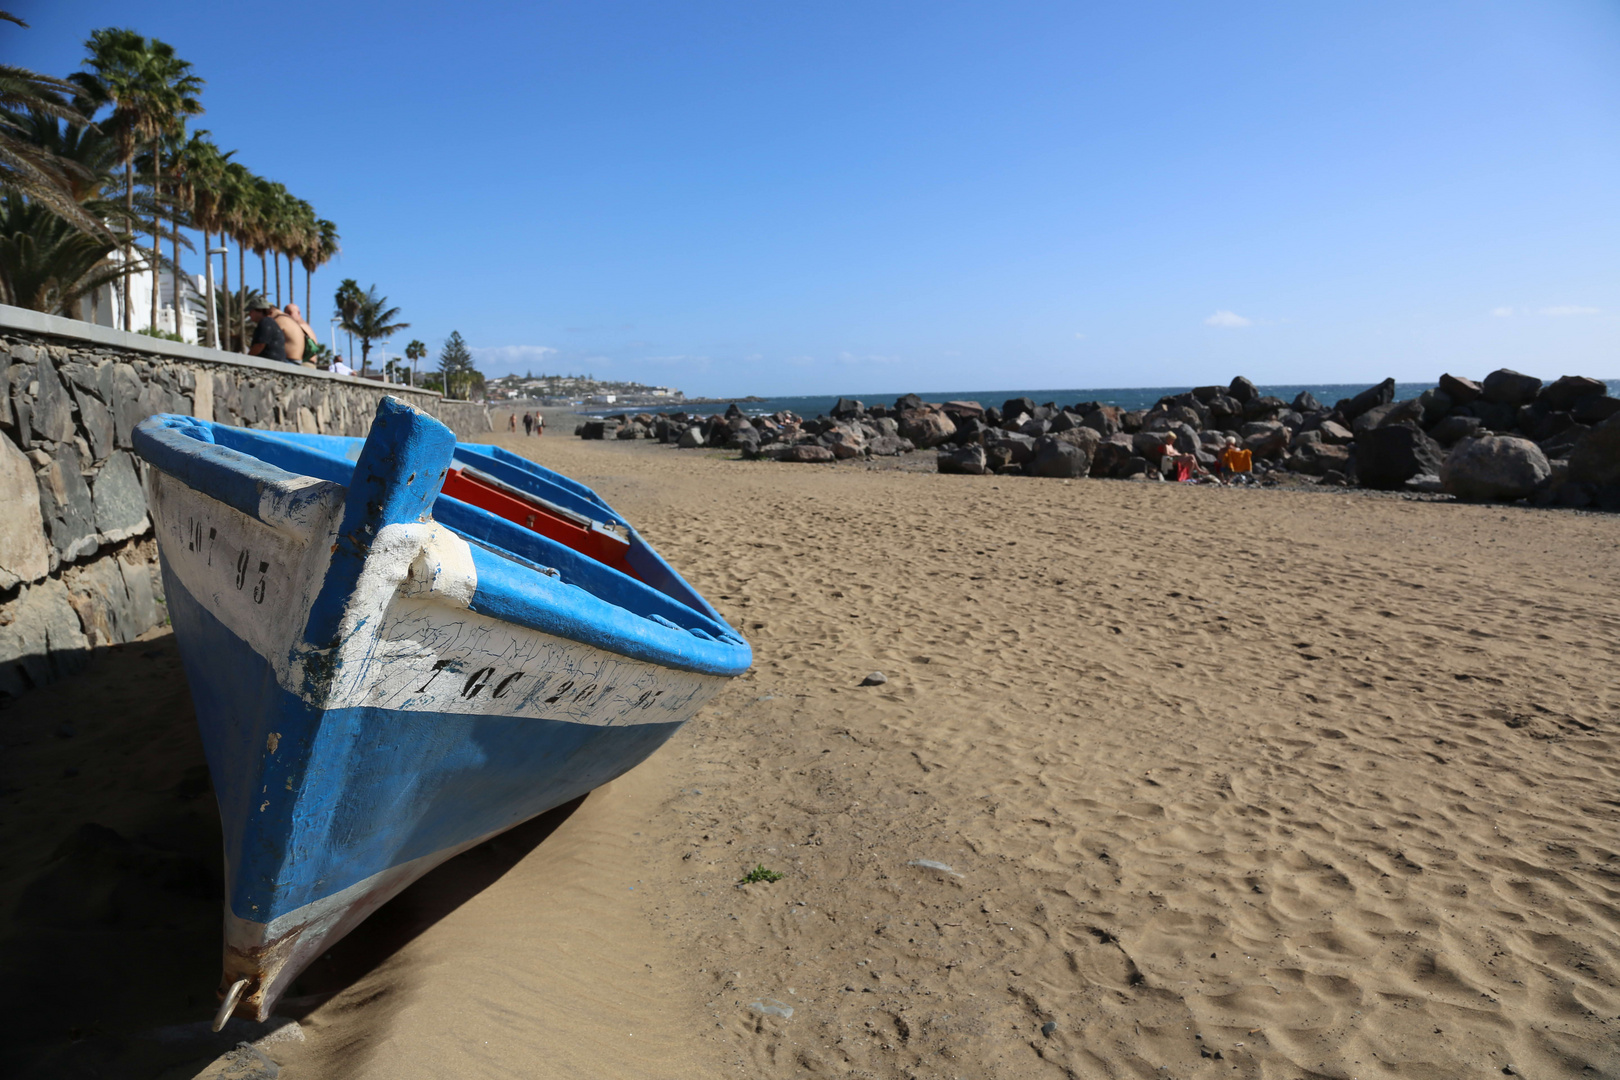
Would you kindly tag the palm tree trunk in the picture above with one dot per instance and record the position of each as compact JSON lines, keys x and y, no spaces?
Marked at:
{"x":309,"y":308}
{"x":129,"y":223}
{"x":157,"y":230}
{"x":241,"y":271}
{"x":275,"y":257}
{"x":264,"y":276}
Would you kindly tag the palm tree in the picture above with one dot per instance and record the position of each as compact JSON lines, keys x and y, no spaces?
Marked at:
{"x":347,"y":301}
{"x":229,"y":305}
{"x":88,"y":169}
{"x":151,"y":91}
{"x":27,"y":166}
{"x":47,"y":263}
{"x":414,"y":352}
{"x":175,"y":91}
{"x":114,"y":79}
{"x":317,"y":253}
{"x":238,"y":220}
{"x":374,"y":321}
{"x":200,"y":174}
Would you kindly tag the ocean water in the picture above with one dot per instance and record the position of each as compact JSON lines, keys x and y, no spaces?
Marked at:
{"x":1141,"y":397}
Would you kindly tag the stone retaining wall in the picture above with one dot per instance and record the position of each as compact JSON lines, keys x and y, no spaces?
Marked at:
{"x":78,"y":565}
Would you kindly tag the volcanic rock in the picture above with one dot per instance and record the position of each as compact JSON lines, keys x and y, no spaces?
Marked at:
{"x":1496,"y":467}
{"x":803,"y":453}
{"x":1460,"y":390}
{"x":963,"y":461}
{"x":1456,"y":427}
{"x":1387,"y":457}
{"x":1382,"y":394}
{"x":1508,"y":387}
{"x":1595,"y":409}
{"x":925,"y":427}
{"x":889,"y":446}
{"x":1596,"y":458}
{"x":844,"y":408}
{"x":1561,"y":395}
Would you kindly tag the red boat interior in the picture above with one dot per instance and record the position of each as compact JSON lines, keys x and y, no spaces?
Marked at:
{"x":502,"y":500}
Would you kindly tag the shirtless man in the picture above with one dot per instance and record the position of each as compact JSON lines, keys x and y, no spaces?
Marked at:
{"x":294,"y":333}
{"x":297,"y":317}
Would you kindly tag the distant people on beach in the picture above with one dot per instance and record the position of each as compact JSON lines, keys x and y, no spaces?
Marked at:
{"x":1181,"y":466}
{"x":269,"y":340}
{"x":1237,"y":463}
{"x":528,"y":423}
{"x":511,"y":422}
{"x":539,"y":424}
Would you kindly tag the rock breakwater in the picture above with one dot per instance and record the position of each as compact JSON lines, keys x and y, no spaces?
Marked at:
{"x":1505,"y":438}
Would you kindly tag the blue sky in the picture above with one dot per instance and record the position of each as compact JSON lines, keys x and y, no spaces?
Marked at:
{"x":878,"y":197}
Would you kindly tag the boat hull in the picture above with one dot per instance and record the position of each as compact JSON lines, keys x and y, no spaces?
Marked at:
{"x":367,"y":820}
{"x":348,"y":762}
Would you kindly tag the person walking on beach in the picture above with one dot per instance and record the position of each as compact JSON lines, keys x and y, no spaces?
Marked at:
{"x":269,"y":341}
{"x":539,"y":424}
{"x":511,"y":422}
{"x":528,"y":424}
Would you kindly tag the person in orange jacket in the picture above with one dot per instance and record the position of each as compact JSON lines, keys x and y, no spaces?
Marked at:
{"x":1236,"y":460}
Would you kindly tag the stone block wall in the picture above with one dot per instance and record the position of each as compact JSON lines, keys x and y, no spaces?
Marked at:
{"x":78,"y":565}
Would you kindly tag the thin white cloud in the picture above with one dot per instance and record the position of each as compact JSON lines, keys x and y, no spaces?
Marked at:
{"x":513,"y":354}
{"x":1568,"y":309}
{"x":1230,"y":320}
{"x":1078,"y":337}
{"x":1501,"y":312}
{"x":510,"y":359}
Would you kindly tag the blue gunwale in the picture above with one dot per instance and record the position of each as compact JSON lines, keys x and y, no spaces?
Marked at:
{"x":660,"y":619}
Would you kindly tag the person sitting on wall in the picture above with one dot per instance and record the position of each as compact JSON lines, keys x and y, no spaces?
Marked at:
{"x":269,"y":341}
{"x":296,"y":340}
{"x":311,"y":342}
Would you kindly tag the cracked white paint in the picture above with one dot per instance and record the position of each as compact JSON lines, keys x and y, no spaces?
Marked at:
{"x":406,"y":639}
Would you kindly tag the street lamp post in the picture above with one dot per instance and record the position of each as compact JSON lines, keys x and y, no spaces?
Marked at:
{"x":213,"y":307}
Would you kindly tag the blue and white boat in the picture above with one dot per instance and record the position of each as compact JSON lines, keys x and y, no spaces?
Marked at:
{"x":397,"y":647}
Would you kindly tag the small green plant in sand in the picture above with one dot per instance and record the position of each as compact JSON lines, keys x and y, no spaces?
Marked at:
{"x":759,"y":873}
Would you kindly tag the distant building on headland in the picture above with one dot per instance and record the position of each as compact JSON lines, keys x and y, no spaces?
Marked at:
{"x":578,"y":390}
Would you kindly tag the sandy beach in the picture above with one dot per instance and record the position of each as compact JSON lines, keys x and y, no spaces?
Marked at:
{"x":1163,"y":781}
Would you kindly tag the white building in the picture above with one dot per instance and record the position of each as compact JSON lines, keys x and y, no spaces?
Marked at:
{"x":105,"y":308}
